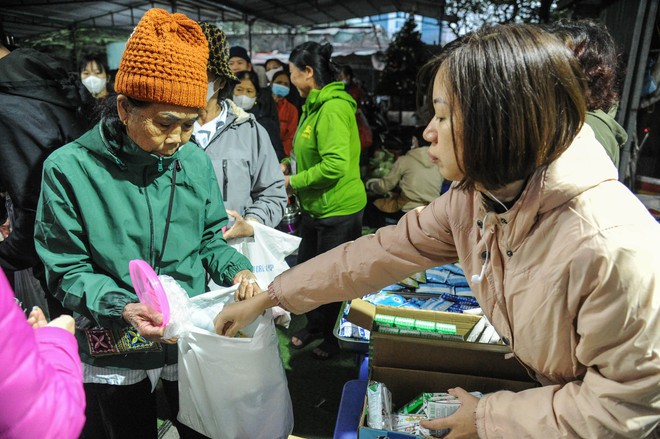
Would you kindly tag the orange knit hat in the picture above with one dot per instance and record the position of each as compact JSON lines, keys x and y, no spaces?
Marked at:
{"x":165,"y":61}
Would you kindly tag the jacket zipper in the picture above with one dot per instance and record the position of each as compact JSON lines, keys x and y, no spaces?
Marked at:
{"x":225,"y":180}
{"x":151,"y":222}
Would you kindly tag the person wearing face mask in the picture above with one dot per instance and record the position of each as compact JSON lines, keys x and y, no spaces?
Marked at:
{"x":94,"y":76}
{"x":260,"y":103}
{"x":273,"y":65}
{"x":286,"y":112}
{"x":135,"y":187}
{"x":245,"y":162}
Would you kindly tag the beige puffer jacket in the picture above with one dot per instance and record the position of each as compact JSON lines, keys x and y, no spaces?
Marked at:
{"x":572,"y":282}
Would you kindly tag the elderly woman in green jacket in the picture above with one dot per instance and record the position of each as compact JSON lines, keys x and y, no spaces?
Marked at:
{"x":326,"y":175}
{"x":134,"y":187}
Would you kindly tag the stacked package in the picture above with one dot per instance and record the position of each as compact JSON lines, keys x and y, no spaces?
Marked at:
{"x":443,"y":288}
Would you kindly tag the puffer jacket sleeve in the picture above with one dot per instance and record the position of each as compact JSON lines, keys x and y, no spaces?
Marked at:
{"x":333,"y":134}
{"x":220,"y":260}
{"x":420,"y":240}
{"x":41,"y":391}
{"x":267,"y":191}
{"x":62,"y":245}
{"x":619,"y":395}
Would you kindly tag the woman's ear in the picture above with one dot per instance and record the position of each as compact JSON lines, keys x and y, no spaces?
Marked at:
{"x":309,"y":72}
{"x":123,"y":108}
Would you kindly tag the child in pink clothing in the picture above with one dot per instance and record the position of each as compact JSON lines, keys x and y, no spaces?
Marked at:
{"x":41,"y":391}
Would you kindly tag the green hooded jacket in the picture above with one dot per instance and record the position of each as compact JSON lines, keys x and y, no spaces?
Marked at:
{"x":608,"y":132}
{"x":104,"y":204}
{"x":327,"y":149}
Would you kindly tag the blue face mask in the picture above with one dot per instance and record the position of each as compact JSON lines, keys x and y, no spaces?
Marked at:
{"x":280,"y":90}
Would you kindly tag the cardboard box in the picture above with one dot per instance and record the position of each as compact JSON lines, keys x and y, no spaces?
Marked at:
{"x":409,"y":365}
{"x":362,"y":313}
{"x":406,"y":384}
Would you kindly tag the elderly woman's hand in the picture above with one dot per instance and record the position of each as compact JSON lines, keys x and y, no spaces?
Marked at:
{"x":248,"y":285}
{"x":147,"y":321}
{"x":240,"y":229}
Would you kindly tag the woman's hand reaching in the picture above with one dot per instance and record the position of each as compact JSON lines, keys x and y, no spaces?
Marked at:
{"x":462,"y":423}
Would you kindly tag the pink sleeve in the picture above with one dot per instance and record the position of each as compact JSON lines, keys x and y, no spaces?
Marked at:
{"x":41,"y":391}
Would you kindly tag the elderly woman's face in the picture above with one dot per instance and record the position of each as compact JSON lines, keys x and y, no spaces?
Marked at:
{"x":157,"y":128}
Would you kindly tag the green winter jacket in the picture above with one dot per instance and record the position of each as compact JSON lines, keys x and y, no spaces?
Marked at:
{"x":104,"y":204}
{"x":327,"y":151}
{"x":608,"y":132}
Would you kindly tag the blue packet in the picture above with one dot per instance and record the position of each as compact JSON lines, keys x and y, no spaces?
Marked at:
{"x":457,"y":280}
{"x":455,"y":269}
{"x":437,"y":304}
{"x":463,"y":291}
{"x":394,"y":287}
{"x":387,"y":299}
{"x":437,"y":275}
{"x":435,"y":289}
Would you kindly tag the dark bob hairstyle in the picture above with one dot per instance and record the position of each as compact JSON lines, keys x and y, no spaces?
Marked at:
{"x":517,"y":99}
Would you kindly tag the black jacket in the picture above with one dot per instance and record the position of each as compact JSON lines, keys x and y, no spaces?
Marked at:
{"x":265,"y":112}
{"x":38,"y":101}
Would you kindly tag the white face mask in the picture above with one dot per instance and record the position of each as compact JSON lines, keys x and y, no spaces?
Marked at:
{"x":94,"y":84}
{"x":210,"y":90}
{"x":243,"y":101}
{"x":270,"y":73}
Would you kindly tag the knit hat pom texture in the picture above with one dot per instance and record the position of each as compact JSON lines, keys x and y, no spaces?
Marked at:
{"x":165,"y":61}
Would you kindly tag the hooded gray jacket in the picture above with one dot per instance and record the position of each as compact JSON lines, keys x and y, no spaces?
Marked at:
{"x":247,"y":169}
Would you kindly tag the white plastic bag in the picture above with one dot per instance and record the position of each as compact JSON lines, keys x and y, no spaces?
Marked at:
{"x":266,"y":251}
{"x":232,"y":388}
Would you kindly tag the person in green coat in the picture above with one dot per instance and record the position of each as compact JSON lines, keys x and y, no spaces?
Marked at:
{"x":134,"y":187}
{"x":324,"y":174}
{"x":597,"y":53}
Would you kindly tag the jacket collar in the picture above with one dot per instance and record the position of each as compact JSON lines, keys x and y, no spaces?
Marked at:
{"x":581,"y":167}
{"x":127,"y":154}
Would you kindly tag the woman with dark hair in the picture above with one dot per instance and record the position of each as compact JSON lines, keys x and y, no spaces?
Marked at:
{"x":258,"y":101}
{"x":324,"y":174}
{"x":95,"y":76}
{"x":286,"y":112}
{"x":564,"y":257}
{"x":597,"y":52}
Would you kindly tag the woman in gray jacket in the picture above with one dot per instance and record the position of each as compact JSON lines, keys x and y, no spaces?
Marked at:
{"x":245,"y":163}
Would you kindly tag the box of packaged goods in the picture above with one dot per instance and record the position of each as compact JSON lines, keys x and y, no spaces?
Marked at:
{"x":437,"y":303}
{"x":426,"y":338}
{"x":397,"y":400}
{"x":418,"y":371}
